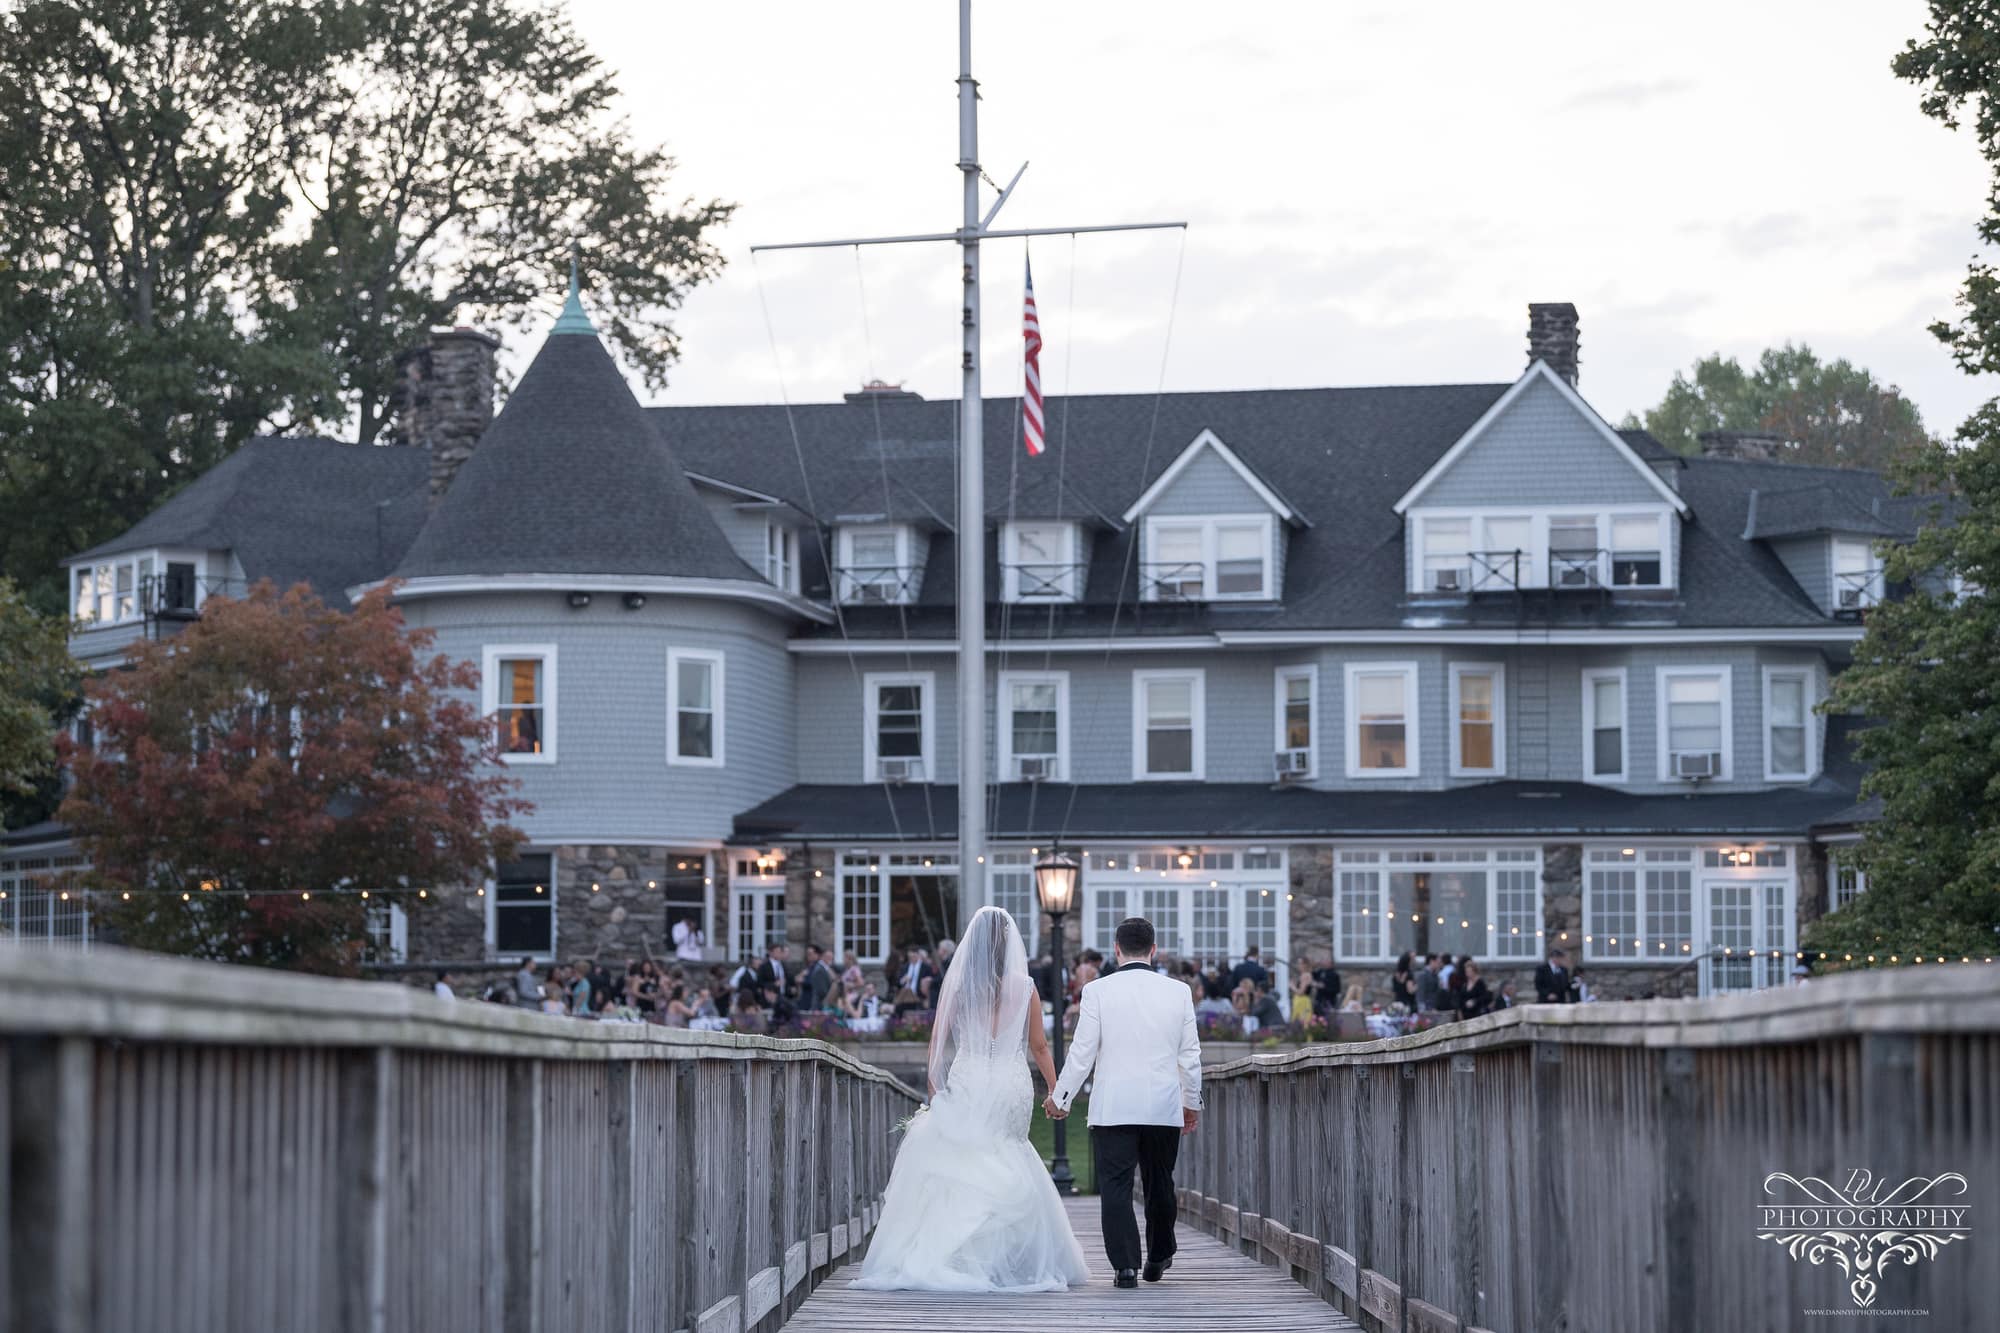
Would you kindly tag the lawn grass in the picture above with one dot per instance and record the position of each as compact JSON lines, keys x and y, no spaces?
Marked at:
{"x":1042,"y":1133}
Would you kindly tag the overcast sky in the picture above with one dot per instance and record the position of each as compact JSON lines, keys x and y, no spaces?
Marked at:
{"x":1375,"y":190}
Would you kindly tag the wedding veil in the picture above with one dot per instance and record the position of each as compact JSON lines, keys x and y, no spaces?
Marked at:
{"x":983,"y":1004}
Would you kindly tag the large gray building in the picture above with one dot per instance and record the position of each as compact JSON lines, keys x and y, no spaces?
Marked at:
{"x":1336,"y":671}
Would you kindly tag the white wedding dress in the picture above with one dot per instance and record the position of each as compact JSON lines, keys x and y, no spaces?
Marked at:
{"x":970,"y":1207}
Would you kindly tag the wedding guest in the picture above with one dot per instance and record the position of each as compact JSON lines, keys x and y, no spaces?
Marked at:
{"x":1214,"y":1006}
{"x":1552,"y":980}
{"x":816,"y":982}
{"x":1451,"y":995}
{"x":1216,"y":980}
{"x":1429,"y":984}
{"x":1266,"y":1009}
{"x":1505,"y":999}
{"x":1251,"y":969}
{"x":579,"y":989}
{"x":850,"y":969}
{"x":944,"y":952}
{"x":442,"y":987}
{"x":689,"y":941}
{"x":1326,"y":987}
{"x":1403,"y":984}
{"x":679,"y":1011}
{"x":1474,"y":997}
{"x":1350,"y":1003}
{"x":775,"y":983}
{"x":1445,"y":971}
{"x":527,"y":986}
{"x":1302,"y":995}
{"x":1190,"y":976}
{"x":552,"y":997}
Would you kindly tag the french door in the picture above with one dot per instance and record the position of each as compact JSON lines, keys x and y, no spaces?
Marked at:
{"x":1747,"y":940}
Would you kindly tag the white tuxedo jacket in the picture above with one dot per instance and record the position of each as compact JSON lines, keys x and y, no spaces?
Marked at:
{"x":1136,"y":1029}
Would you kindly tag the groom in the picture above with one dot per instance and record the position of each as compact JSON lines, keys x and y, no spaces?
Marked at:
{"x":1136,"y":1028}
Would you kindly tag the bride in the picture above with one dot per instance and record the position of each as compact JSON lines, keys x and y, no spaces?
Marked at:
{"x":970,"y":1206}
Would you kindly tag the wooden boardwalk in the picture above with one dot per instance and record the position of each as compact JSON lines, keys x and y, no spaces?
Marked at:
{"x":1210,"y":1286}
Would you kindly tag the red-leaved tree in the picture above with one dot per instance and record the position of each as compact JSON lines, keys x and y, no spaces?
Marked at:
{"x":254,"y":775}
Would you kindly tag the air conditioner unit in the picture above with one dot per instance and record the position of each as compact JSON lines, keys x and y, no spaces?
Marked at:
{"x":901,"y":770}
{"x":1447,"y":580}
{"x":1852,"y":599}
{"x":1697,"y":764}
{"x":1576,"y":576}
{"x":1293,"y":763}
{"x":1034,"y":768}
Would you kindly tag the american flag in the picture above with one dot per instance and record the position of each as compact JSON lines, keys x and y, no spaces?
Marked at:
{"x":1031,"y":396}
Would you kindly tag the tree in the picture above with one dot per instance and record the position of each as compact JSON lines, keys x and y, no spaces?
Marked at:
{"x":258,"y":772}
{"x":1833,"y":414}
{"x":220,"y":217}
{"x":38,"y":680}
{"x":1925,"y":673}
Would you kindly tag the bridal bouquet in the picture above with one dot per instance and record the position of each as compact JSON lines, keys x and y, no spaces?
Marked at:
{"x":911,"y":1118}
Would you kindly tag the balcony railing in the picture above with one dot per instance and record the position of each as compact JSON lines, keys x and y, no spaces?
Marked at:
{"x":1856,"y":590}
{"x":1175,"y":581}
{"x":1044,"y":581}
{"x":877,"y":585}
{"x":176,"y":595}
{"x":1576,"y":567}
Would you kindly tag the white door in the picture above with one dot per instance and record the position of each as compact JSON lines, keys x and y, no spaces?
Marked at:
{"x":1746,"y":935}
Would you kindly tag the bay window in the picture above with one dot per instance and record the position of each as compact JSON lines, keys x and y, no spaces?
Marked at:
{"x":519,"y":693}
{"x":1382,"y":720}
{"x":1167,"y":737}
{"x":118,"y":590}
{"x":694,"y":724}
{"x":1478,"y":712}
{"x":1788,"y":748}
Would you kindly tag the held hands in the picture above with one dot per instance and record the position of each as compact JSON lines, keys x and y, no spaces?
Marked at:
{"x":1189,"y":1119}
{"x":1053,"y":1111}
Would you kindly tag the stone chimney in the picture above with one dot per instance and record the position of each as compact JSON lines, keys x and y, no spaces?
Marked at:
{"x":443,"y":399}
{"x":1552,"y":337}
{"x":1749,"y":446}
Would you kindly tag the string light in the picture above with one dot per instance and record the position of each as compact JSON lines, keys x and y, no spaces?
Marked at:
{"x":305,"y":897}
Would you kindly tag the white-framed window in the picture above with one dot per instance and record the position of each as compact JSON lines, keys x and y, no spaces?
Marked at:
{"x":1477,"y":549}
{"x":1729,"y":908}
{"x":1204,"y":903}
{"x":1789,"y":752}
{"x":1223,"y":558}
{"x":1039,"y":562}
{"x":1857,"y":574}
{"x":694,"y":707}
{"x":1696,"y":737}
{"x":519,"y":694}
{"x":1478,"y":719}
{"x":1034,"y":725}
{"x":42,"y":903}
{"x":1845,"y":881}
{"x":1485,"y":901}
{"x":861,"y":908}
{"x":1639,"y":903}
{"x":898,"y":712}
{"x":781,"y":555}
{"x":524,"y":906}
{"x":1606,"y":750}
{"x":1296,"y":699}
{"x":1382,"y":720}
{"x":1010,"y":883}
{"x":875,"y":564}
{"x":124,"y":589}
{"x":756,"y":914}
{"x":1167,"y":724}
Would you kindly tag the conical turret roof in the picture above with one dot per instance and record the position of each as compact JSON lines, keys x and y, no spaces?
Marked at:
{"x":572,"y":478}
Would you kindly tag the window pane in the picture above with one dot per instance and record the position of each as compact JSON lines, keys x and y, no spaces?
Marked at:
{"x":697,"y":680}
{"x":1033,"y":706}
{"x":1298,"y":712}
{"x":520,"y":700}
{"x":1032,"y":544}
{"x":1360,"y":914}
{"x":1573,"y":534}
{"x":1694,"y":714}
{"x":1382,"y":745}
{"x":1170,"y":751}
{"x":873,"y":548}
{"x":1379,"y":696}
{"x":1606,"y":751}
{"x":1788,"y":701}
{"x":1475,"y":720}
{"x":1169,"y":701}
{"x":1176,"y":544}
{"x":697,"y":735}
{"x":1788,"y":749}
{"x":1239,"y":560}
{"x":523,"y":680}
{"x":1475,"y":744}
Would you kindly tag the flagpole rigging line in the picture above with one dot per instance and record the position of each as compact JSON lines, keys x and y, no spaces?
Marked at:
{"x":968,"y":235}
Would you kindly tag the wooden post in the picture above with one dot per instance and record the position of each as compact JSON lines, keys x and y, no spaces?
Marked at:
{"x":48,"y":1198}
{"x":367,"y":1096}
{"x":1679,"y":1166}
{"x":1548,"y":1256}
{"x":1467,"y":1176}
{"x":1409,"y":1185}
{"x":521,"y":1224}
{"x":686,"y":1188}
{"x":621,"y":1265}
{"x":1889,"y":1110}
{"x":1361,"y":1203}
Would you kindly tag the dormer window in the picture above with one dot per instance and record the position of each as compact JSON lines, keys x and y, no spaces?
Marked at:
{"x":1857,"y":575}
{"x":1038,"y":562}
{"x":781,"y":555}
{"x":125,"y":589}
{"x":1226,"y":558}
{"x":1480,"y":552}
{"x":876,"y":566}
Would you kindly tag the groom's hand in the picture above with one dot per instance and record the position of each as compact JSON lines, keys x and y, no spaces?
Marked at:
{"x":1189,"y":1119}
{"x":1051,"y":1110}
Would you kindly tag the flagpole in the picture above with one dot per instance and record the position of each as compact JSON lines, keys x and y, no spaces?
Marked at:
{"x":971,"y":535}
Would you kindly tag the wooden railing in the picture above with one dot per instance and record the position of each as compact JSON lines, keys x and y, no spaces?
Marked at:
{"x":1602,"y":1167}
{"x":215,"y":1149}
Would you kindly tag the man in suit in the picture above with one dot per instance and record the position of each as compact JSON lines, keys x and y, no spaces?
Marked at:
{"x":919,"y":979}
{"x":775,"y":982}
{"x":1136,"y":1029}
{"x":1251,"y":969}
{"x":1430,"y":983}
{"x":1552,"y":979}
{"x":817,"y":982}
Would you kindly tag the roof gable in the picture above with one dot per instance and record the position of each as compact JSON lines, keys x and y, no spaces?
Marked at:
{"x":1541,"y":386}
{"x":1209,"y":444}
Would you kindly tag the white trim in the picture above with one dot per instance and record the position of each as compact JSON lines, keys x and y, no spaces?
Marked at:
{"x":551,"y":850}
{"x":489,"y":692}
{"x":675,"y":657}
{"x":1210,"y":527}
{"x":753,"y":589}
{"x":1871,"y":568}
{"x":1492,"y":414}
{"x":1412,"y":710}
{"x":905,"y":564}
{"x":1831,"y":633}
{"x":788,"y":569}
{"x":1010,"y":562}
{"x":1590,"y":676}
{"x":1004,"y":719}
{"x":1661,"y":710}
{"x":1198,"y":719}
{"x":1498,"y":671}
{"x":871,"y":696}
{"x":1808,"y":699}
{"x":1535,"y":554}
{"x":1279,"y":677}
{"x":1209,"y":440}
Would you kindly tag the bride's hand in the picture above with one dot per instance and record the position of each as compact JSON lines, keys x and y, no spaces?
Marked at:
{"x":1051,"y":1110}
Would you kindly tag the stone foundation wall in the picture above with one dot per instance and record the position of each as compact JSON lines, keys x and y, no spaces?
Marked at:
{"x":1311,"y":868}
{"x":604,"y":907}
{"x":450,"y":924}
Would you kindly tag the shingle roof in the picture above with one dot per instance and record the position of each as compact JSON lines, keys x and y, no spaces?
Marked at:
{"x":1257,"y":810}
{"x":571,"y":478}
{"x":1816,"y":509}
{"x":295,"y":510}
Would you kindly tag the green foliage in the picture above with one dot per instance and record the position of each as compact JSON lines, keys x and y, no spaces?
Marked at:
{"x":38,"y":681}
{"x":276,"y":749}
{"x":225,"y":216}
{"x":1926,"y":674}
{"x":1833,"y":414}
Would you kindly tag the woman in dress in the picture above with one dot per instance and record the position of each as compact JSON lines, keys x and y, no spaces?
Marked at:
{"x":970,"y":1206}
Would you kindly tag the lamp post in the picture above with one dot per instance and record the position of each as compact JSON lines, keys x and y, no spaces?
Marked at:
{"x":1055,"y":887}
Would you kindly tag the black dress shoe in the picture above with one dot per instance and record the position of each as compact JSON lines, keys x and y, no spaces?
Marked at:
{"x":1127,"y":1277}
{"x":1154,"y":1271}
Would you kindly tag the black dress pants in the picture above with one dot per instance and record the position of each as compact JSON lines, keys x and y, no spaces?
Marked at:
{"x":1150,"y":1150}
